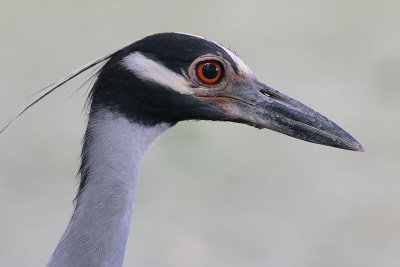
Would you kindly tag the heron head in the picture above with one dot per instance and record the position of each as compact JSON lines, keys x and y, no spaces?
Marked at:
{"x":172,"y":77}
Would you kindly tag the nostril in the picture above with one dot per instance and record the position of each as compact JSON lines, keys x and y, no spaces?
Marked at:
{"x":264,"y":92}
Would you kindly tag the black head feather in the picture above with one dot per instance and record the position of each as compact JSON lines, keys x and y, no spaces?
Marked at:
{"x":117,"y":89}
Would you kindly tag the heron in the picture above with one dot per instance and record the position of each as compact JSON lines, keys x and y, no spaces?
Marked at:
{"x":143,"y":89}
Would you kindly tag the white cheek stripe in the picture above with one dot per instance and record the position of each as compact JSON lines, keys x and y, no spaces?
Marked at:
{"x":243,"y":68}
{"x":153,"y":71}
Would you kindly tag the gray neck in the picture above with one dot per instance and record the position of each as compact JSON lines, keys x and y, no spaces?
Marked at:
{"x":99,"y":227}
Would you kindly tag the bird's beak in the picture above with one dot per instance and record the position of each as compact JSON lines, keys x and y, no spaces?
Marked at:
{"x":253,"y":102}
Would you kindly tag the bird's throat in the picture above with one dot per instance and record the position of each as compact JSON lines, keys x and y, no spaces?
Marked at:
{"x":111,"y":159}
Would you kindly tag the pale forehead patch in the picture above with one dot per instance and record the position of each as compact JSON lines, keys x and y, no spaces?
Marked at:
{"x":153,"y":71}
{"x":242,"y":67}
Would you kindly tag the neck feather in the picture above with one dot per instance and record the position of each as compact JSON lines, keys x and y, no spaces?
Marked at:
{"x":111,"y":159}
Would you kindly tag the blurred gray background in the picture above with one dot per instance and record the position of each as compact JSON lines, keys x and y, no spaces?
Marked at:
{"x":214,"y":194}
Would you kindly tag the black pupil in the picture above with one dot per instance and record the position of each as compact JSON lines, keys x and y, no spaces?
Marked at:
{"x":210,"y":71}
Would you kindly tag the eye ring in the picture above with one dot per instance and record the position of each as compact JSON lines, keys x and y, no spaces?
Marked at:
{"x":209,"y":72}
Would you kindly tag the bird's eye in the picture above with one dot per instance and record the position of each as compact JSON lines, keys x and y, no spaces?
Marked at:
{"x":209,"y":72}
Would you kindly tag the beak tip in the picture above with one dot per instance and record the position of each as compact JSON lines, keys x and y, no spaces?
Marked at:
{"x":360,"y":148}
{"x":356,"y":146}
